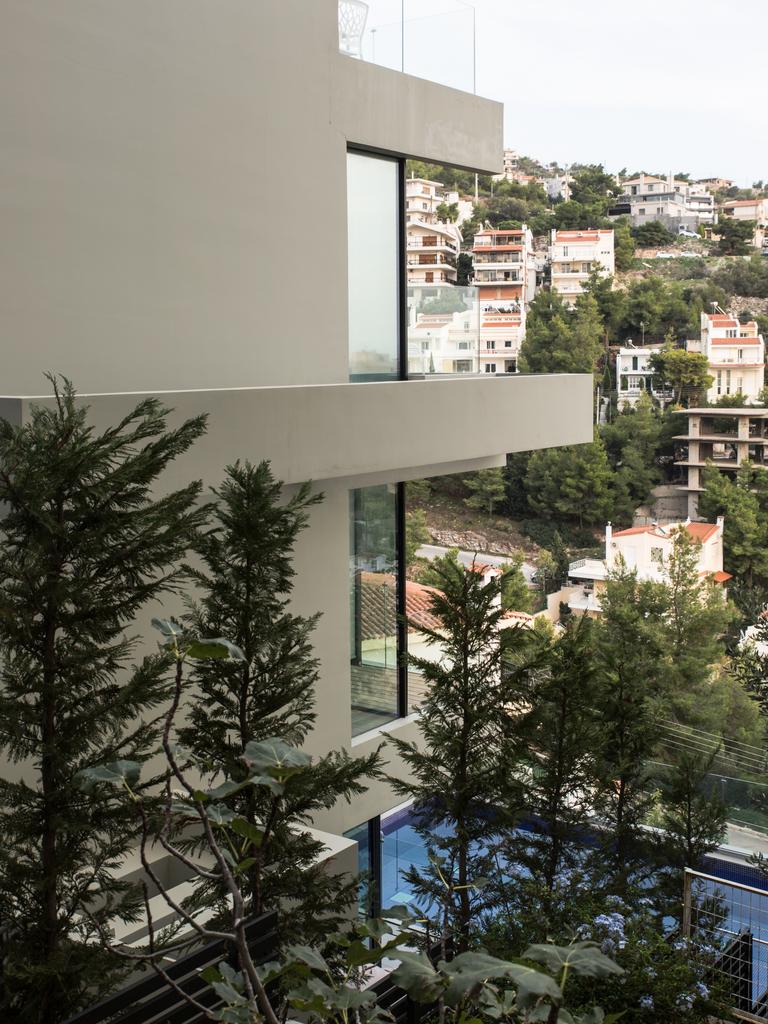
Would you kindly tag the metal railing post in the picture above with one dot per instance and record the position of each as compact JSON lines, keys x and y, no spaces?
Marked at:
{"x":685,"y":923}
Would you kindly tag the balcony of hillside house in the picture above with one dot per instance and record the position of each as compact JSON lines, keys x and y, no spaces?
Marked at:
{"x":412,"y":37}
{"x":431,"y":260}
{"x":497,"y":276}
{"x":497,"y":257}
{"x":432,"y":242}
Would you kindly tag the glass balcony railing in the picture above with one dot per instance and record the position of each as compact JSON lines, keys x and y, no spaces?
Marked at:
{"x":433,"y":39}
{"x":451,"y":331}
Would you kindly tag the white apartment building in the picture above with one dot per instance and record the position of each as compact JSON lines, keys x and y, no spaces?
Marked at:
{"x":646,"y":550}
{"x":433,"y":245}
{"x":749,"y":209}
{"x":138,"y":256}
{"x":574,"y":255}
{"x":736,"y":355}
{"x":672,"y":201}
{"x":505,"y":278}
{"x":504,"y":267}
{"x":509,"y":166}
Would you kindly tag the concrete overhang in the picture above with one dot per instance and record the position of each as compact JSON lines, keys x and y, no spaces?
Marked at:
{"x":394,"y":430}
{"x":408,"y":116}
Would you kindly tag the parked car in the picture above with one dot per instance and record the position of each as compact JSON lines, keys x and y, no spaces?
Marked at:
{"x":689,"y":253}
{"x":686,"y":232}
{"x":665,"y":256}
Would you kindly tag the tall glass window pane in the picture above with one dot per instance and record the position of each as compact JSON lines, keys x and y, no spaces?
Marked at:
{"x":373,"y":606}
{"x":373,"y":216}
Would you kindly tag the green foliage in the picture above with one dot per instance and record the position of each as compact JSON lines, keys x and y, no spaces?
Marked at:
{"x":561,"y":340}
{"x":416,"y":533}
{"x":449,"y":300}
{"x":244,"y":588}
{"x":735,"y":236}
{"x":447,"y":213}
{"x":461,"y":767}
{"x":572,"y":483}
{"x":487,"y":488}
{"x":624,"y":244}
{"x":657,"y":304}
{"x":473,"y":986}
{"x":745,"y":538}
{"x":744,"y":277}
{"x":629,"y":649}
{"x":693,"y":814}
{"x":654,"y":234}
{"x":685,"y":373}
{"x":515,"y":592}
{"x":663,"y":981}
{"x":632,"y":441}
{"x":563,"y":736}
{"x":86,"y":546}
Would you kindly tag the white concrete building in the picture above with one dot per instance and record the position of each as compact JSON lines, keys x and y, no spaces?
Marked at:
{"x":723,"y":438}
{"x":433,"y":245}
{"x":505,"y":278}
{"x":634,"y":374}
{"x":574,"y":255}
{"x":646,"y":550}
{"x":672,"y":201}
{"x":749,"y":209}
{"x":504,"y":267}
{"x":736,"y":355}
{"x":509,"y":166}
{"x":137,"y":255}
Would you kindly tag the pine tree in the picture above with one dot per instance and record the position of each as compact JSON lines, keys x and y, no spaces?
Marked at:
{"x":628,"y":651}
{"x":245,"y":586}
{"x":691,"y":628}
{"x":745,"y":538}
{"x":559,"y":339}
{"x":571,"y":483}
{"x":563,"y":736}
{"x":488,"y":488}
{"x":462,"y":784}
{"x":693,"y":821}
{"x":84,"y":546}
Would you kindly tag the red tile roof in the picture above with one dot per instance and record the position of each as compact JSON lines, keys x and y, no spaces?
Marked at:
{"x":700,"y":531}
{"x":721,"y":577}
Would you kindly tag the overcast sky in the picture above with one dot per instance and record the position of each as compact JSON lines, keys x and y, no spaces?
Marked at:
{"x":678,"y":85}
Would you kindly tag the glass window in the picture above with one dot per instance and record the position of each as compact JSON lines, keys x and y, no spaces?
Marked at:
{"x":373,"y":266}
{"x":368,"y":839}
{"x":374,"y":573}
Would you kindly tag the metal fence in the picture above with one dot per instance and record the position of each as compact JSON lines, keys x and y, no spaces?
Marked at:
{"x":730,"y":920}
{"x":152,"y":1001}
